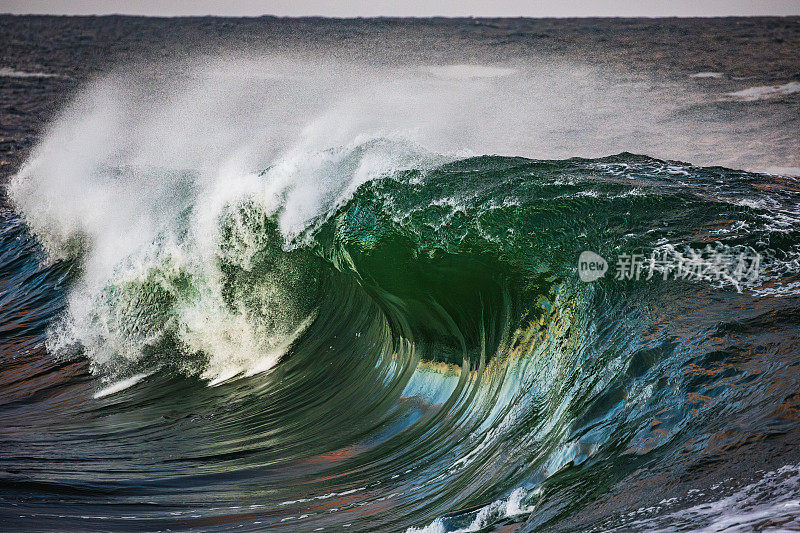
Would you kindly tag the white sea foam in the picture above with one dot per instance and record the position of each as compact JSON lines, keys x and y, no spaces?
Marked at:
{"x":120,"y":386}
{"x":6,"y":72}
{"x":766,"y":91}
{"x":485,"y":516}
{"x":324,"y":496}
{"x":771,"y":500}
{"x":708,"y":75}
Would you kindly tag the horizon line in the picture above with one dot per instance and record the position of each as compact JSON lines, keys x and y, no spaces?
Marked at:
{"x":377,"y":17}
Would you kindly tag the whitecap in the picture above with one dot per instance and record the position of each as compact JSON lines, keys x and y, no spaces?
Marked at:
{"x":766,"y":91}
{"x":708,"y":75}
{"x":6,"y":72}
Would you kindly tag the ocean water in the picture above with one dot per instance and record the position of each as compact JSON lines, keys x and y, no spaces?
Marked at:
{"x":318,"y":275}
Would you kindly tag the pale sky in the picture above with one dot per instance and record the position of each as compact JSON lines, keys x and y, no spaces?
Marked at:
{"x":412,"y":8}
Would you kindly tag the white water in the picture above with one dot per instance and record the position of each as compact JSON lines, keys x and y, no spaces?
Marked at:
{"x":768,"y":504}
{"x":486,"y":516}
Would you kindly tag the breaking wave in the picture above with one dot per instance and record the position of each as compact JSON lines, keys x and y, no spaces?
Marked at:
{"x":392,"y":324}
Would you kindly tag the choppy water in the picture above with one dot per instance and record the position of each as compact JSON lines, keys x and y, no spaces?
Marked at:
{"x":334,"y":317}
